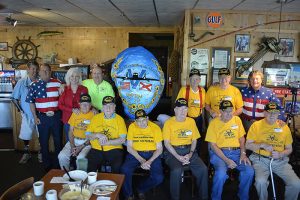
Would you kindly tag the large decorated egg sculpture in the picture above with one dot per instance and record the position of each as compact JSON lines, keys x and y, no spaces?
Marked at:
{"x":139,"y":79}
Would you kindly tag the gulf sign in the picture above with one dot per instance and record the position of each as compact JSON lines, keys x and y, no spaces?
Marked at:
{"x":214,"y":19}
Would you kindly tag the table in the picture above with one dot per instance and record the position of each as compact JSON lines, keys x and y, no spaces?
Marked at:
{"x":117,"y":178}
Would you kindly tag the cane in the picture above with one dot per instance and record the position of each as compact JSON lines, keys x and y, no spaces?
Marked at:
{"x":271,"y":172}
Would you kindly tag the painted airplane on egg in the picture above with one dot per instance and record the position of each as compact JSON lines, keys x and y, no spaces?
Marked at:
{"x":136,"y":76}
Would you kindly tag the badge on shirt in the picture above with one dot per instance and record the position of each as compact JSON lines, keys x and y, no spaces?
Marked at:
{"x":86,"y":121}
{"x":234,"y":127}
{"x":228,"y":98}
{"x":277,"y":130}
{"x":196,"y":101}
{"x":188,"y":132}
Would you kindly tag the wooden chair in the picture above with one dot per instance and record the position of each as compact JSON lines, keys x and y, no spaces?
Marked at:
{"x":18,"y":189}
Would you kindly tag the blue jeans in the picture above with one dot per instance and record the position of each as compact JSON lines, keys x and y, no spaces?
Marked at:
{"x":220,"y":176}
{"x":66,"y":129}
{"x":54,"y":125}
{"x":131,"y":163}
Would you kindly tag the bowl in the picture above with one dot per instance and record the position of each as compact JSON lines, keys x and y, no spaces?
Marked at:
{"x":72,"y":192}
{"x":77,"y":175}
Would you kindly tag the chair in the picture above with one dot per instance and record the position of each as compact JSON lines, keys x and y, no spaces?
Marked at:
{"x":18,"y":189}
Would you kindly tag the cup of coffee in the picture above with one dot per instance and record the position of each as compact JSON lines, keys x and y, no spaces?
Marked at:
{"x":92,"y":177}
{"x":51,"y":195}
{"x":38,"y":188}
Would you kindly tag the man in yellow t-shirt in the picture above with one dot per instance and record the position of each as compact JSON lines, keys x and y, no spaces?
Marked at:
{"x":106,"y":132}
{"x":180,"y":135}
{"x":144,"y":145}
{"x":223,"y":91}
{"x":267,"y":138}
{"x":77,"y":146}
{"x":225,"y":135}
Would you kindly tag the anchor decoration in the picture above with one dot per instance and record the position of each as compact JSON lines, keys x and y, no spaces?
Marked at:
{"x":139,"y":79}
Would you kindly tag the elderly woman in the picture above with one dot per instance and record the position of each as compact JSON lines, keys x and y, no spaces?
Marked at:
{"x":69,"y":99}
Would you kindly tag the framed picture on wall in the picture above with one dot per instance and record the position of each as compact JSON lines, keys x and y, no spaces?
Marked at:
{"x":288,"y":107}
{"x":214,"y":75}
{"x":203,"y":82}
{"x":287,"y":47}
{"x":239,"y":61}
{"x":221,"y":57}
{"x":276,"y":77}
{"x":242,"y":43}
{"x":295,"y":73}
{"x":3,"y":46}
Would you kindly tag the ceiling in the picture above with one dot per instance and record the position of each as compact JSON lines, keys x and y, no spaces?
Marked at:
{"x":119,"y":13}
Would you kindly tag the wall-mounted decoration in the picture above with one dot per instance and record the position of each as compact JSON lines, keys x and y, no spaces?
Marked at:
{"x":203,"y":82}
{"x":242,"y":43}
{"x":221,"y":57}
{"x":214,"y":75}
{"x":288,"y":107}
{"x":238,"y":62}
{"x":276,"y":77}
{"x":199,"y":59}
{"x":214,"y":19}
{"x":295,"y":74}
{"x":287,"y":45}
{"x":3,"y":46}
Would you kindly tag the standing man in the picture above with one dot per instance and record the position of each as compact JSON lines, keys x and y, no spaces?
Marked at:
{"x":27,"y":126}
{"x":223,"y":91}
{"x":97,"y":87}
{"x":225,"y":135}
{"x":268,"y":139}
{"x":144,"y":145}
{"x":180,"y":135}
{"x":43,"y":98}
{"x":106,"y":132}
{"x":255,"y":97}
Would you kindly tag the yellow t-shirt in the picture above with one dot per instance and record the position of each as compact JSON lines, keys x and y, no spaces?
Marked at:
{"x":113,"y":128}
{"x":215,"y":95}
{"x":262,"y":132}
{"x":194,"y":109}
{"x":225,"y":134}
{"x":80,"y":123}
{"x":180,"y":133}
{"x":144,"y":139}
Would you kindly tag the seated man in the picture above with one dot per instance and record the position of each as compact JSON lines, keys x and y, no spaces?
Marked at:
{"x":78,"y":146}
{"x":106,"y":132}
{"x":180,"y":135}
{"x":144,"y":145}
{"x":225,"y":135}
{"x":268,"y":139}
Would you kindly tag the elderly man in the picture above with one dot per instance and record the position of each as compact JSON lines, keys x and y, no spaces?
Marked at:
{"x":180,"y":135}
{"x":106,"y":132}
{"x":27,"y":126}
{"x":255,"y":97}
{"x":144,"y":145}
{"x":98,"y":88}
{"x":268,"y":139}
{"x":43,"y":98}
{"x":225,"y":135}
{"x":223,"y":91}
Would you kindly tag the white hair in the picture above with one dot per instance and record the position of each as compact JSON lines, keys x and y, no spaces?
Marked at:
{"x":71,"y":71}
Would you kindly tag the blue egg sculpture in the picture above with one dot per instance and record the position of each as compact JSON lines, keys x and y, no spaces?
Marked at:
{"x":139,"y":79}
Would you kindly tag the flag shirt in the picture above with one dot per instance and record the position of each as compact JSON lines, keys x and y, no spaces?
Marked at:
{"x":255,"y":101}
{"x":44,"y":95}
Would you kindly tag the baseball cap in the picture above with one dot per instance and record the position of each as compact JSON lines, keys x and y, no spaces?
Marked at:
{"x":181,"y":102}
{"x":272,"y":107}
{"x":140,"y":114}
{"x":194,"y":72}
{"x":224,"y":71}
{"x":85,"y":98}
{"x":107,"y":100}
{"x":225,"y":104}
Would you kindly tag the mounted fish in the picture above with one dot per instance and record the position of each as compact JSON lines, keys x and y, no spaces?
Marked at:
{"x":139,"y":79}
{"x":49,"y":33}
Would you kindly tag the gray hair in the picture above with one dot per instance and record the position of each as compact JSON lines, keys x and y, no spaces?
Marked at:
{"x":69,"y":74}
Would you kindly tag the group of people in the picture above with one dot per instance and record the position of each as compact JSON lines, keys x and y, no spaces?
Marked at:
{"x":96,"y":132}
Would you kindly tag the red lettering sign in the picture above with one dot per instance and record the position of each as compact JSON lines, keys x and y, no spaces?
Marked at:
{"x":214,"y":19}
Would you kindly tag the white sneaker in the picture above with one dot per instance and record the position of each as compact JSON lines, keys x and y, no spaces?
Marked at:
{"x":25,"y":158}
{"x":40,"y":158}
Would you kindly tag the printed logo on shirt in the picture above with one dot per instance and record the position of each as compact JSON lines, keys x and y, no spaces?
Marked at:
{"x":228,"y":134}
{"x":183,"y":133}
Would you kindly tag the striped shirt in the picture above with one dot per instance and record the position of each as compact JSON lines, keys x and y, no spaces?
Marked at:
{"x":255,"y":101}
{"x":44,"y":94}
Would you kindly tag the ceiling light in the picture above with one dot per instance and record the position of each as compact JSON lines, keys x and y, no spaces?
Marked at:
{"x":11,"y":21}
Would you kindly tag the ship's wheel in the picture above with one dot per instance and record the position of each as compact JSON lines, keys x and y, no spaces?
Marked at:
{"x":24,"y":50}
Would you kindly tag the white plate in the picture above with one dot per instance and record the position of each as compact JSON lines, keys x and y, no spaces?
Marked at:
{"x":77,"y":175}
{"x":103,"y":191}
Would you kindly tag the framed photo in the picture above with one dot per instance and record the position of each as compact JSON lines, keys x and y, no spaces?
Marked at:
{"x":295,"y":73}
{"x":203,"y":82}
{"x":221,"y":57}
{"x":287,"y":47}
{"x":242,"y":43}
{"x":214,"y":76}
{"x":276,"y":77}
{"x":3,"y":46}
{"x":288,"y":107}
{"x":199,"y":59}
{"x":239,"y":61}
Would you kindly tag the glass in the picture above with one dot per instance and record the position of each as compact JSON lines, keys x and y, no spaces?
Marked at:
{"x":82,"y":164}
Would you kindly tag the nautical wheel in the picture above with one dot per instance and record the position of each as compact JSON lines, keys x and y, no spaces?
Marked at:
{"x":24,"y":49}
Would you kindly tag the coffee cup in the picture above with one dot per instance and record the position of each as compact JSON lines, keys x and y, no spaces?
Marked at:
{"x":38,"y":188}
{"x":92,"y":177}
{"x":51,"y":195}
